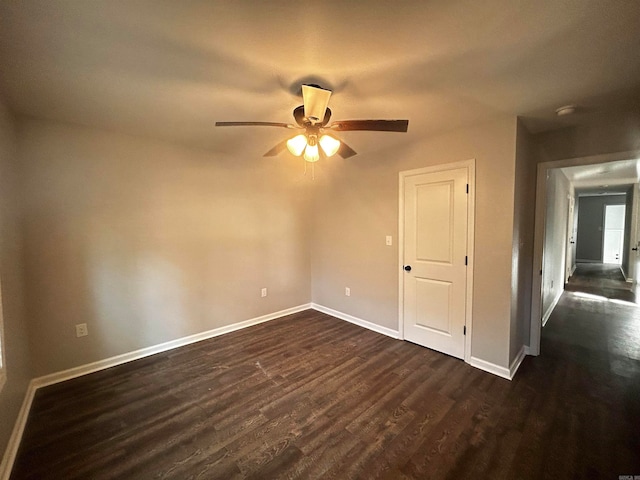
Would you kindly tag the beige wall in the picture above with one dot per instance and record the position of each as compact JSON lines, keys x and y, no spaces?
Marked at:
{"x":522,"y":246}
{"x":15,"y":328}
{"x":555,"y":237}
{"x":356,"y":205}
{"x":610,"y":135}
{"x":148,"y":242}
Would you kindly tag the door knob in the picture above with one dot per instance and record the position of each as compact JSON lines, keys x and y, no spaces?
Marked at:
{"x":635,"y":249}
{"x":407,"y":268}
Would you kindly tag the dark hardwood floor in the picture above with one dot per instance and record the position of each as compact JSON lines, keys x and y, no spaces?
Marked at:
{"x":310,"y":396}
{"x":601,"y":279}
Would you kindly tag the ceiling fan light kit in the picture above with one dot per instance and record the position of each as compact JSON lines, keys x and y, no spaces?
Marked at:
{"x":313,"y":117}
{"x":308,"y":144}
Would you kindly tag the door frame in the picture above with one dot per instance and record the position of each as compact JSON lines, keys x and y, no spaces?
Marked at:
{"x":539,"y":232}
{"x":470,"y":165}
{"x":633,"y":237}
{"x":568,"y":262}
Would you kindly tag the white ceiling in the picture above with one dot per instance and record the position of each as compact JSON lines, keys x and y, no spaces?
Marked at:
{"x":604,"y":178}
{"x":170,"y":69}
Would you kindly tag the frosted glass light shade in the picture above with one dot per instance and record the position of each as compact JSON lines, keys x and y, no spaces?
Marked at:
{"x":297,"y":144}
{"x":311,"y":153}
{"x":315,"y":102}
{"x":329,"y":145}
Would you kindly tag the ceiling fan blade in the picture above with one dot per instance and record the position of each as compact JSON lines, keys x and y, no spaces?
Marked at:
{"x":277,"y":149}
{"x":254,"y":124}
{"x":371,"y":125}
{"x":345,"y":151}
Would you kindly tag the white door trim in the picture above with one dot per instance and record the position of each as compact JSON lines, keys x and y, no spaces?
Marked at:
{"x":470,"y":165}
{"x":568,"y":262}
{"x":632,"y":274}
{"x":538,"y":241}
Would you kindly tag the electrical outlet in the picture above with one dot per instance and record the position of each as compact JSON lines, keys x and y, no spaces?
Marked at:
{"x":389,"y":240}
{"x":82,"y":330}
{"x":264,"y":292}
{"x":347,"y":291}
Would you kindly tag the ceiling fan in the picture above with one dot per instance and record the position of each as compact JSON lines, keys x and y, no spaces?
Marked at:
{"x":312,"y":121}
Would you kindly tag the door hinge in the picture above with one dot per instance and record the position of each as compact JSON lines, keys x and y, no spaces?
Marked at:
{"x":467,"y":188}
{"x":464,"y":330}
{"x":466,"y":260}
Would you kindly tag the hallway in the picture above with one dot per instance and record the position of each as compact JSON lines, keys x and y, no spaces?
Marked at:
{"x":589,"y":368}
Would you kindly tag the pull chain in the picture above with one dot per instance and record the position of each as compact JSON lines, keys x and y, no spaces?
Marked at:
{"x":313,"y":169}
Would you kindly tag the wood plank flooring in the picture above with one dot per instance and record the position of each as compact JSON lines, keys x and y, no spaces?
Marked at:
{"x":601,"y":279}
{"x":309,"y":396}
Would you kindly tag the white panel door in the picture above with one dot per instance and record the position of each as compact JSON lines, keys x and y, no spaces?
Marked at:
{"x":435,"y":249}
{"x":613,"y":234}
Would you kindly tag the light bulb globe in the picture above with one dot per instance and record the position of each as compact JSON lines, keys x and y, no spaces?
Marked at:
{"x":297,"y":144}
{"x":329,"y":145}
{"x":311,"y":153}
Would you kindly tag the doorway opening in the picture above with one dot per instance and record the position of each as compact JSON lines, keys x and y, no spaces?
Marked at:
{"x":559,"y":244}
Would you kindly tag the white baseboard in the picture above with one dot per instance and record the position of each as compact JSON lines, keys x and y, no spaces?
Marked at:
{"x":18,"y":429}
{"x":503,"y":372}
{"x":490,"y":367}
{"x":163,"y":347}
{"x":357,"y":321}
{"x":547,"y":314}
{"x":513,"y":368}
{"x":498,"y":370}
{"x":573,"y":269}
{"x":16,"y":434}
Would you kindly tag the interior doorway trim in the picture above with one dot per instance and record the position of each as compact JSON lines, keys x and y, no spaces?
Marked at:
{"x":470,"y":165}
{"x":538,"y":241}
